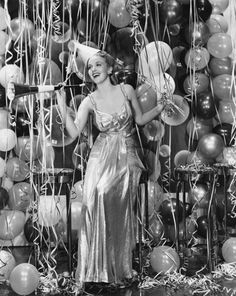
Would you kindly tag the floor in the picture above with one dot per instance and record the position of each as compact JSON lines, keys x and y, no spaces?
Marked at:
{"x":176,"y":284}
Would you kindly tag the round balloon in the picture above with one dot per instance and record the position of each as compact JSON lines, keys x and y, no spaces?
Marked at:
{"x":226,"y":112}
{"x":164,"y":259}
{"x":217,"y":23}
{"x":202,"y":225}
{"x":199,"y":195}
{"x":17,"y":169}
{"x":155,"y":59}
{"x":198,"y":127}
{"x":205,"y":105}
{"x":180,"y":158}
{"x":12,"y":224}
{"x":211,"y":145}
{"x":11,"y":72}
{"x":168,"y":213}
{"x":4,"y":197}
{"x":7,"y":264}
{"x":154,"y":130}
{"x":21,"y":29}
{"x":156,"y":229}
{"x":219,"y":45}
{"x":118,"y":14}
{"x":28,"y":148}
{"x":229,"y":250}
{"x":24,"y":279}
{"x":8,"y":139}
{"x":223,"y":86}
{"x":171,"y":11}
{"x":146,"y":96}
{"x":197,"y":33}
{"x":196,"y":83}
{"x":225,"y":130}
{"x":220,"y":66}
{"x":20,"y":196}
{"x":197,"y":58}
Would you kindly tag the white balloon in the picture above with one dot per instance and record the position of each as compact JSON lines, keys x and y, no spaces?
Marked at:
{"x":11,"y":73}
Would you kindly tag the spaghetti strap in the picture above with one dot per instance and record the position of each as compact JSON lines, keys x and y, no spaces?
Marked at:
{"x":123,"y":91}
{"x":92,"y":101}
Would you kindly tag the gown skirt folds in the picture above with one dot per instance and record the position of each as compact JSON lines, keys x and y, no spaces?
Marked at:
{"x":107,"y":236}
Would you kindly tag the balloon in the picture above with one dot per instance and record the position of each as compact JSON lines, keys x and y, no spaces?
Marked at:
{"x":21,"y":29}
{"x":197,"y":58}
{"x":23,"y":124}
{"x":204,"y":9}
{"x":220,"y":66}
{"x":177,"y":112}
{"x":223,"y":86}
{"x":123,"y":43}
{"x":154,"y":130}
{"x":156,"y":229}
{"x":7,"y":183}
{"x":196,"y":158}
{"x":190,"y":228}
{"x":76,"y":207}
{"x":164,"y":151}
{"x":205,"y":106}
{"x":198,"y":127}
{"x":12,"y":224}
{"x":76,"y":193}
{"x":155,"y":59}
{"x":24,"y":104}
{"x":17,"y":169}
{"x":20,"y":196}
{"x":171,"y":11}
{"x":226,"y":112}
{"x":49,"y":210}
{"x":168,"y":211}
{"x":28,"y":148}
{"x":7,"y":264}
{"x":211,"y":145}
{"x":196,"y":83}
{"x":217,"y":24}
{"x":55,"y":130}
{"x":2,"y":167}
{"x":202,"y":224}
{"x":126,"y":76}
{"x":34,"y":232}
{"x":118,"y":14}
{"x":3,"y":18}
{"x":4,"y":197}
{"x":219,"y":45}
{"x":197,"y":33}
{"x":164,"y":259}
{"x":165,"y":85}
{"x":180,"y":158}
{"x":225,"y":130}
{"x":4,"y":38}
{"x":219,"y":5}
{"x":229,"y":250}
{"x":24,"y":279}
{"x":146,"y":96}
{"x":8,"y":139}
{"x":199,"y":195}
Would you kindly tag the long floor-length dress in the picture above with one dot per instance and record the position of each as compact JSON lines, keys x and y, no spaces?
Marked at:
{"x":107,"y":224}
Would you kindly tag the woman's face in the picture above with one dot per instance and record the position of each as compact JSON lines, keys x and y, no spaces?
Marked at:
{"x":98,"y":69}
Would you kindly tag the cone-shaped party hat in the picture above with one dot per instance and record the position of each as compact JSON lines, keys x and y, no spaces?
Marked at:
{"x":85,"y":52}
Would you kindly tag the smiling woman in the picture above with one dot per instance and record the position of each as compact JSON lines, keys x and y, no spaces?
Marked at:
{"x":112,"y":175}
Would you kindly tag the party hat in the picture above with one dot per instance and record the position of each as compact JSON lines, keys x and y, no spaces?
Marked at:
{"x":85,"y":52}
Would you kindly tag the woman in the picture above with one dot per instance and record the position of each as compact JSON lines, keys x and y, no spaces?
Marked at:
{"x":106,"y":235}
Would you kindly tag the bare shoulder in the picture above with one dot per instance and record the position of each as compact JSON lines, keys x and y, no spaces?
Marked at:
{"x":129,"y":90}
{"x":86,"y":103}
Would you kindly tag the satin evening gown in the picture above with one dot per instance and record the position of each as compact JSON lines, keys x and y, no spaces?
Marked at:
{"x":107,"y":224}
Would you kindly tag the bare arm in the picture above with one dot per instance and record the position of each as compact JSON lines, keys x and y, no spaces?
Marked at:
{"x":74,"y":127}
{"x":142,"y":118}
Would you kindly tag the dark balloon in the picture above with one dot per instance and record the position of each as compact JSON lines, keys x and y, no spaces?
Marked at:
{"x":127,"y":76}
{"x":202,"y":223}
{"x":33,"y":233}
{"x":168,"y":211}
{"x":24,"y":124}
{"x":221,"y":66}
{"x":204,"y":9}
{"x":171,"y":11}
{"x":197,"y":33}
{"x":205,"y":106}
{"x":225,"y":130}
{"x":3,"y":198}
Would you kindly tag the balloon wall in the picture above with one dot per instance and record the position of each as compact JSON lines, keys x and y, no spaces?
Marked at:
{"x":179,"y":51}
